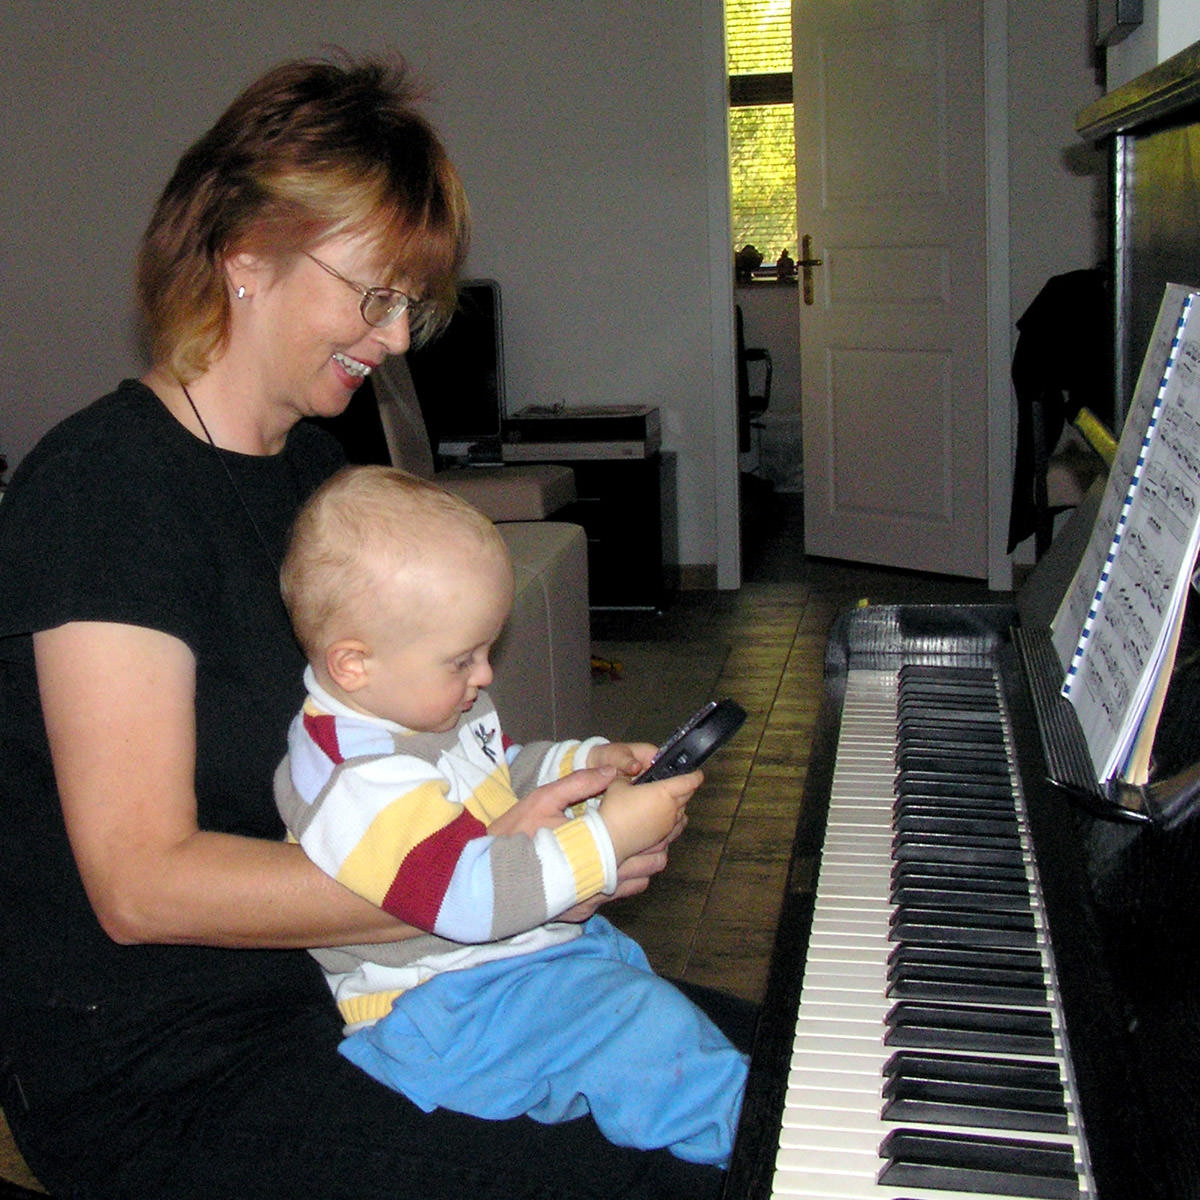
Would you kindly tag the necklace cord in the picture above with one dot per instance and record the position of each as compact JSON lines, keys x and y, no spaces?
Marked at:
{"x":258,"y":533}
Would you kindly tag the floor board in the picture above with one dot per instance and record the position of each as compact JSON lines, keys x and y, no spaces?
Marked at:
{"x":710,"y":917}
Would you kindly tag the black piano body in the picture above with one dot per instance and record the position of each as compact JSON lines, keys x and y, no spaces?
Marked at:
{"x":1123,"y":904}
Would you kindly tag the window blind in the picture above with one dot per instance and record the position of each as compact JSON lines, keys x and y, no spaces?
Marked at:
{"x":761,"y":128}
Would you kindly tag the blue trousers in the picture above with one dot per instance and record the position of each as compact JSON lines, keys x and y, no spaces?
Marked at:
{"x":583,"y":1027}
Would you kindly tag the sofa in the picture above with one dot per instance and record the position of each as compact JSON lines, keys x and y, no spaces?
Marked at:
{"x":542,"y":661}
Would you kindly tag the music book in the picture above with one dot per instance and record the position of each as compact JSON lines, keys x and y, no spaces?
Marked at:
{"x":1117,"y":629}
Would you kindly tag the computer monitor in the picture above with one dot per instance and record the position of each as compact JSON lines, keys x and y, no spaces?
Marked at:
{"x":459,"y":377}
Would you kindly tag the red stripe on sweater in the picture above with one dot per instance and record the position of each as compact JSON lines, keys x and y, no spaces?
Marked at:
{"x":417,"y":891}
{"x":322,"y":728}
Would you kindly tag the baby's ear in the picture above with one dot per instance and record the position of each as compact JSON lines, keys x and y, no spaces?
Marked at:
{"x":346,"y":662}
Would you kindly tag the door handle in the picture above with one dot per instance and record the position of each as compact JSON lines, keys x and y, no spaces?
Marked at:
{"x":806,"y":264}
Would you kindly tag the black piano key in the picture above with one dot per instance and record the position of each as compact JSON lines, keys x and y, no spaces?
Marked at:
{"x":913,"y":766}
{"x":967,"y":857}
{"x":960,"y":715}
{"x":949,"y":873}
{"x":907,"y":897}
{"x":971,"y":807}
{"x":907,"y":821}
{"x":994,"y":976}
{"x":915,"y":673}
{"x":994,"y":1030}
{"x":959,"y":837}
{"x":944,"y":764}
{"x":964,"y":986}
{"x":973,"y":1163}
{"x":914,"y":747}
{"x":933,"y":786}
{"x":1016,"y":1072}
{"x":984,"y":989}
{"x":936,"y":734}
{"x":944,"y":927}
{"x":954,"y":956}
{"x":974,"y":1092}
{"x":941,"y":706}
{"x":999,"y":890}
{"x":948,"y":687}
{"x":920,"y":711}
{"x":939,"y":737}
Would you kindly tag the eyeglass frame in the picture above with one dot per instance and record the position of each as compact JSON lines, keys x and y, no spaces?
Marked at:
{"x":404,"y":302}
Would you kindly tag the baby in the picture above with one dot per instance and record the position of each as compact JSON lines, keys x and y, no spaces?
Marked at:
{"x":396,"y":768}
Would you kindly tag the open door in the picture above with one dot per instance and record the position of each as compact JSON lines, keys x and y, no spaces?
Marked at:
{"x":892,"y":193}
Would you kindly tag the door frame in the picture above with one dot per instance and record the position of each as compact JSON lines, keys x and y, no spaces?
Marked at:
{"x":1000,"y":415}
{"x":726,"y":476}
{"x":1001,"y":410}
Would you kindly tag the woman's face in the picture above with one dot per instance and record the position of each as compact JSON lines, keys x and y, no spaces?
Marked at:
{"x":300,"y":332}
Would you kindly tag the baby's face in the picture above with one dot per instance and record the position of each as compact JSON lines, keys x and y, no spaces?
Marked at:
{"x":426,"y":677}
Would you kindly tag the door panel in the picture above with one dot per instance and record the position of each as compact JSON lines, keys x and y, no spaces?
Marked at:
{"x":891,"y":186}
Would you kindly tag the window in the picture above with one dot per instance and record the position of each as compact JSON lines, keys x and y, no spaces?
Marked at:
{"x":762,"y":137}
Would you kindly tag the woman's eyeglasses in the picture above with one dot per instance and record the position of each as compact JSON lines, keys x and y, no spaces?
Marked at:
{"x":379,"y":306}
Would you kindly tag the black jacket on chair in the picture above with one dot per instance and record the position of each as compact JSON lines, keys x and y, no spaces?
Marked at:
{"x":1062,"y":362}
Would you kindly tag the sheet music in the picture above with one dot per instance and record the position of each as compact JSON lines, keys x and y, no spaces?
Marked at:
{"x":1068,"y":622}
{"x":1133,"y":620}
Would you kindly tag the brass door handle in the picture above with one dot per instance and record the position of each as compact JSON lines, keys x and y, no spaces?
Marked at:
{"x":806,"y":264}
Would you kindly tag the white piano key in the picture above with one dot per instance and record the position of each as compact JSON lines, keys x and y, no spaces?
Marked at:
{"x":831,"y":1124}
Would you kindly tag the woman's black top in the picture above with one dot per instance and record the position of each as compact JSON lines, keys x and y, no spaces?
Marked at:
{"x":120,"y":514}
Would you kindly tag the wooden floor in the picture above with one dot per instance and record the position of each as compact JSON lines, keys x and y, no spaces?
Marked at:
{"x":710,"y":917}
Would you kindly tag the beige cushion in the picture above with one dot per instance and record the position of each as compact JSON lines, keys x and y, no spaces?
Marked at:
{"x":543,"y":666}
{"x":530,"y":492}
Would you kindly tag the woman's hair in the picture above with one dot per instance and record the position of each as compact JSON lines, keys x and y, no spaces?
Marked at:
{"x":356,"y":530}
{"x":315,"y":148}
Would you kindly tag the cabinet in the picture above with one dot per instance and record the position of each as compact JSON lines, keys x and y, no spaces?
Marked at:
{"x":619,"y":504}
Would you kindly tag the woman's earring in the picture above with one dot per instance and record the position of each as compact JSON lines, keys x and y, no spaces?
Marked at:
{"x":241,"y":292}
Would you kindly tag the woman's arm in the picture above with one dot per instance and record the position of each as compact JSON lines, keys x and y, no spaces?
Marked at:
{"x":119,"y":709}
{"x":119,"y":705}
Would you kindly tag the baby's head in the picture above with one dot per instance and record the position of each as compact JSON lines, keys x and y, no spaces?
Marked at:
{"x":397,"y":590}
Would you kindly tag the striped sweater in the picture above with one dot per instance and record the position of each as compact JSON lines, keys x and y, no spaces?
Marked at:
{"x":401,"y":818}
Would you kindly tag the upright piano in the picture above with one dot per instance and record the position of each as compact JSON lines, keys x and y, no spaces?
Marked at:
{"x":991,"y":989}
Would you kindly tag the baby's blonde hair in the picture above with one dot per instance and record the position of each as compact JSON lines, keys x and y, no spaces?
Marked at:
{"x":356,"y":525}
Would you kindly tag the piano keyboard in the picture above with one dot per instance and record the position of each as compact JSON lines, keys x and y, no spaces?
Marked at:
{"x":928,"y":1060}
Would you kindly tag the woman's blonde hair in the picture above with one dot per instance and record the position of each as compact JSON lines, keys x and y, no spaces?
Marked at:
{"x":357,"y":527}
{"x":315,"y":148}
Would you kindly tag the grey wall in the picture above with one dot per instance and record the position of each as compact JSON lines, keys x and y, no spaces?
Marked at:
{"x":590,"y":134}
{"x":584,"y":131}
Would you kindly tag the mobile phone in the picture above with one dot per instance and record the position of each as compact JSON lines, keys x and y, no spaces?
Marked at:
{"x":694,"y":741}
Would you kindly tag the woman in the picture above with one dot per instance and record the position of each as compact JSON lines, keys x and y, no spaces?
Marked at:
{"x":163,"y":1032}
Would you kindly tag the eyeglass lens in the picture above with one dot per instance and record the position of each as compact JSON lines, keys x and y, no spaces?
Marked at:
{"x":383,"y":306}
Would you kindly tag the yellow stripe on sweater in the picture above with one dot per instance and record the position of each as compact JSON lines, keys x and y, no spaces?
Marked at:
{"x":579,"y":846}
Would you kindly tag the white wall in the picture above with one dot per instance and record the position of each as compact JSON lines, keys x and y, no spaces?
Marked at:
{"x":584,"y":133}
{"x":587,"y":134}
{"x":1057,"y":182}
{"x":1168,"y":26}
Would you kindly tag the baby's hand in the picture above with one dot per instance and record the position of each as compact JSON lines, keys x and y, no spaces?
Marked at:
{"x":639,"y":816}
{"x":626,"y":758}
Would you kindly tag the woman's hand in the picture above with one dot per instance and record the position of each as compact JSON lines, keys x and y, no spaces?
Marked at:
{"x":545,"y":807}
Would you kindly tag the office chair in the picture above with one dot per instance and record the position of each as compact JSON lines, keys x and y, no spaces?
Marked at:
{"x":751,"y":405}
